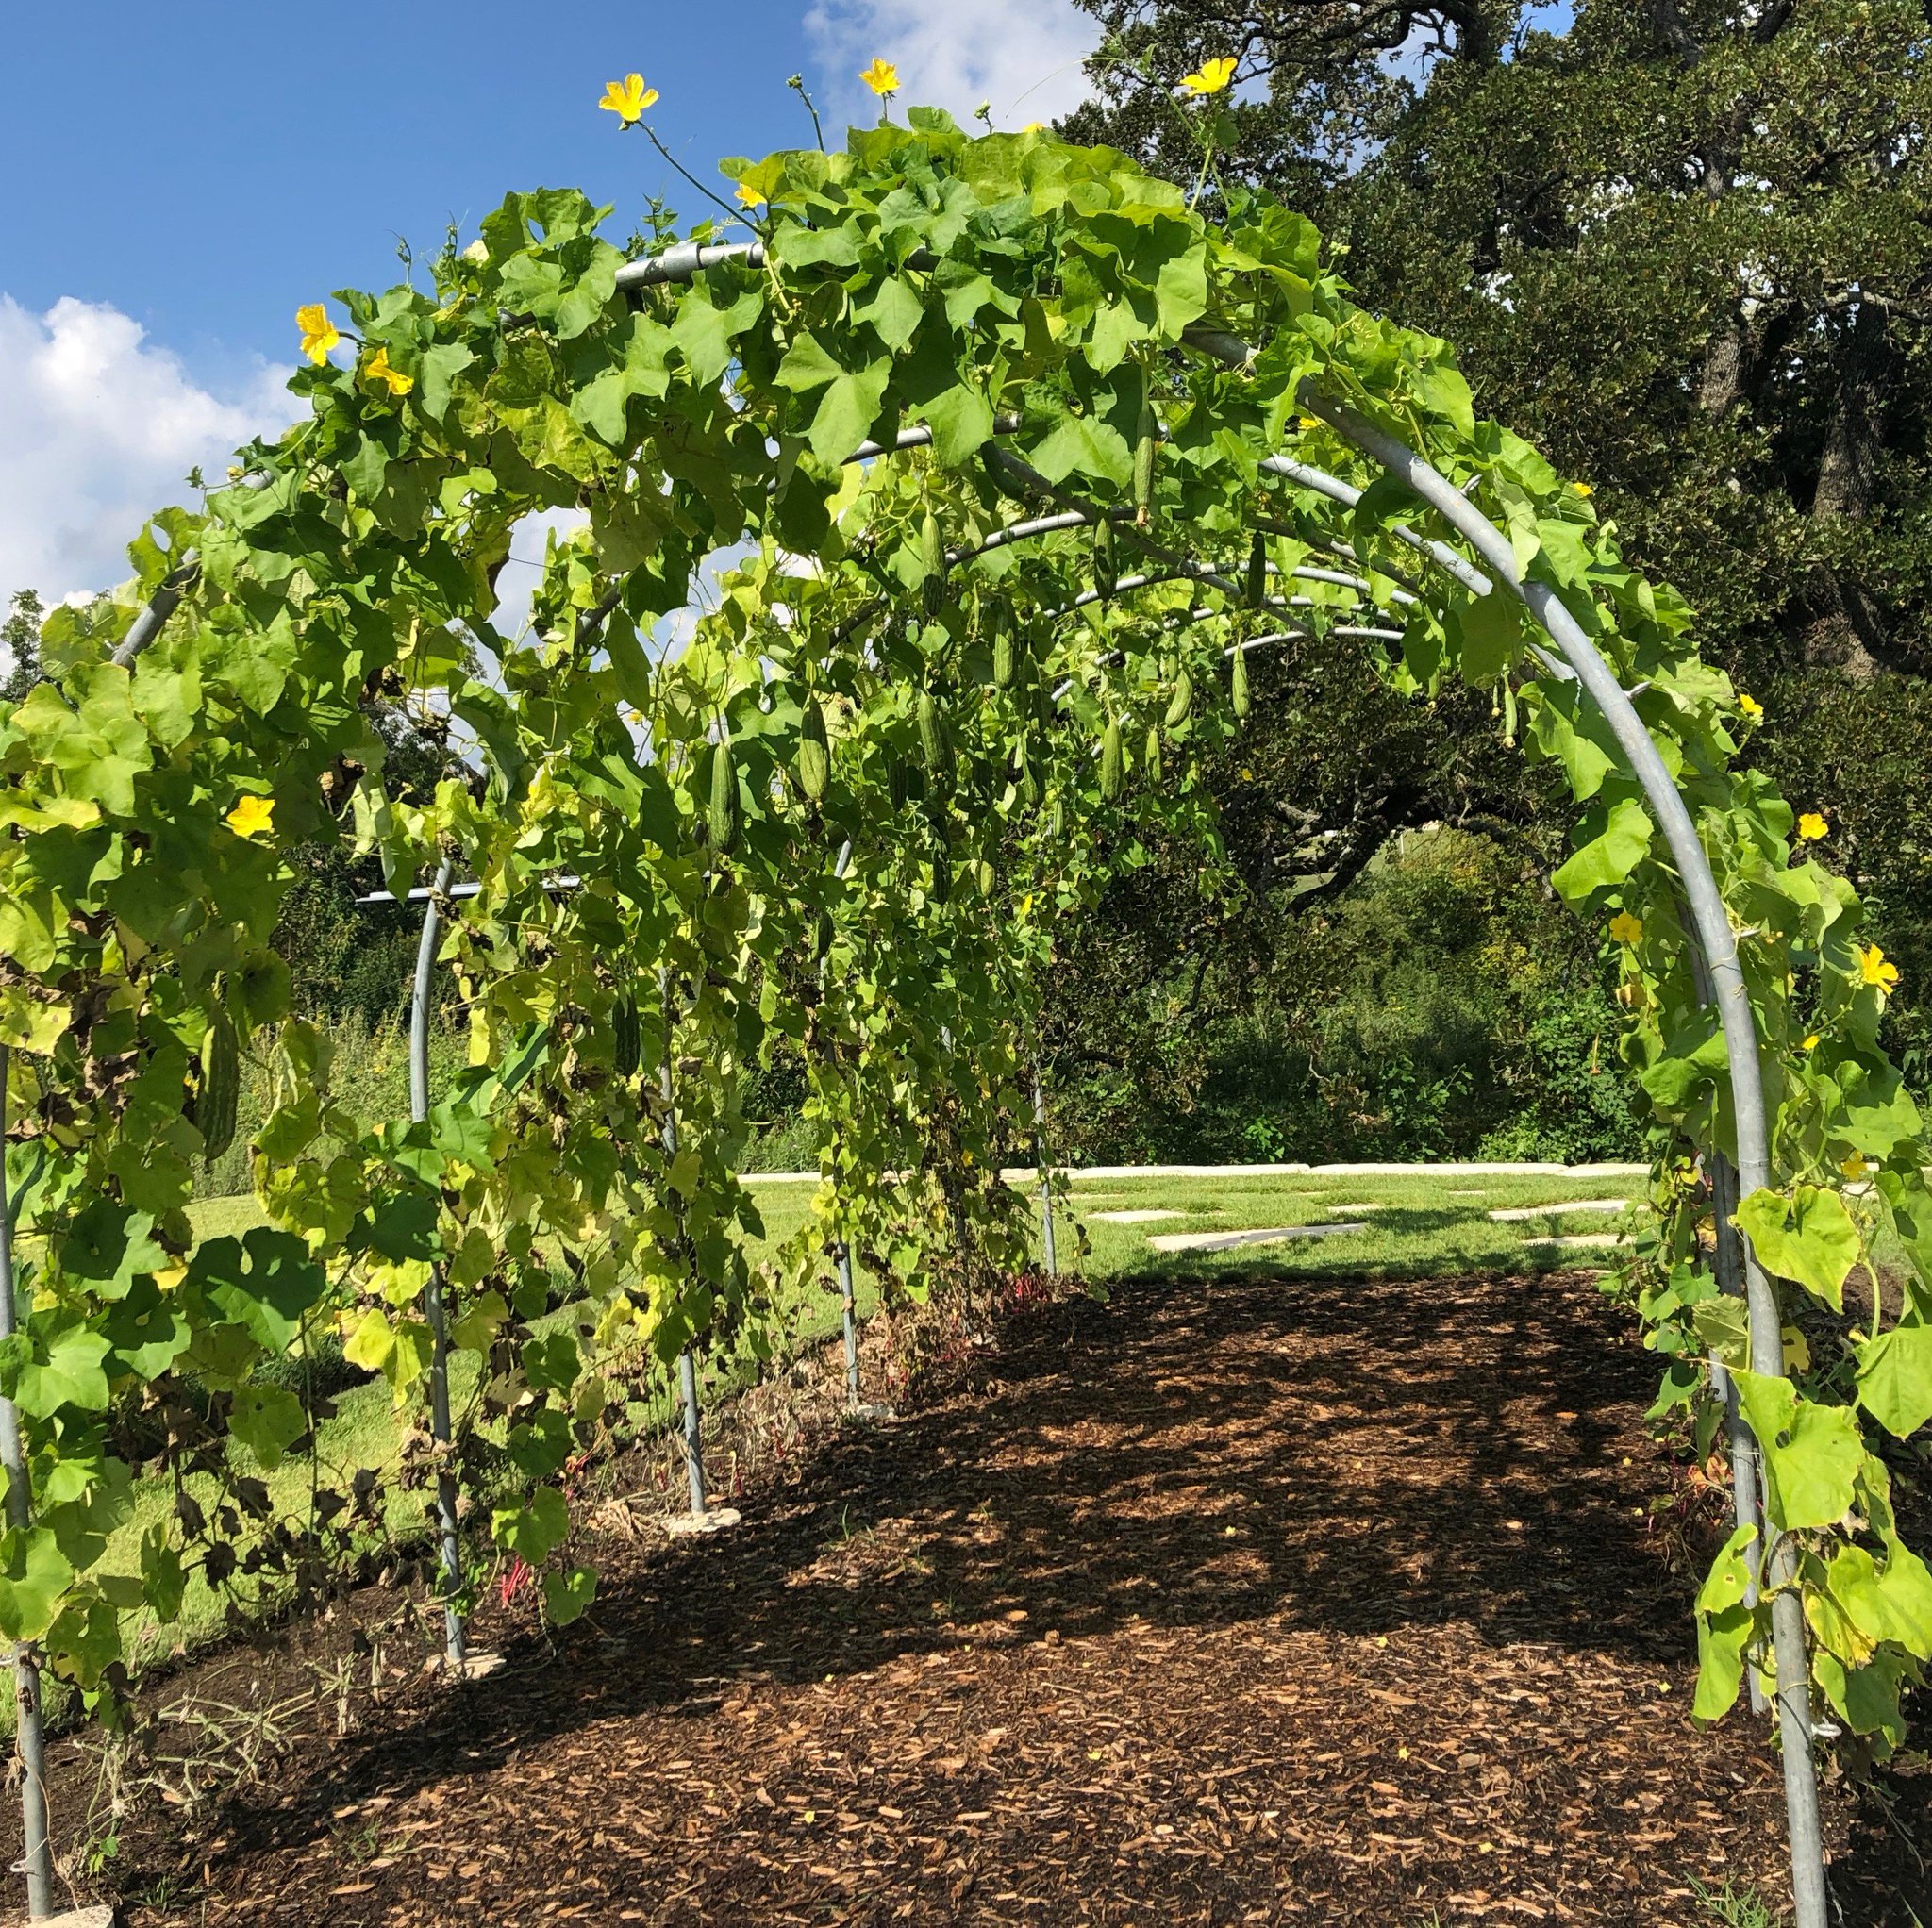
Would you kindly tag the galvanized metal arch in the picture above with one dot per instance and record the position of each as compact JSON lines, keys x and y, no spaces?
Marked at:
{"x":1575,"y":654}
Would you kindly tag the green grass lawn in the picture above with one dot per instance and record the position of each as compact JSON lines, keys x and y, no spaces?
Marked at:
{"x":1417,"y":1224}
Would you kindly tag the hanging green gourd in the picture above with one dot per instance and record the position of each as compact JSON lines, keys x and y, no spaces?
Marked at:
{"x":1257,"y":570}
{"x":1143,"y":459}
{"x":1181,"y":706}
{"x":1150,"y":757}
{"x":1026,"y":786}
{"x":1106,"y":568}
{"x":721,"y":820}
{"x":1241,"y":698}
{"x":814,"y":761}
{"x":628,"y":1038}
{"x":1110,"y":759}
{"x":899,"y":782}
{"x":932,"y":563}
{"x":1057,"y":824}
{"x":932,"y":735}
{"x":216,"y":1100}
{"x":999,"y":621}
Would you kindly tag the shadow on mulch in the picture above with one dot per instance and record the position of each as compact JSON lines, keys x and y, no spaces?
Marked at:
{"x":1236,"y":1599}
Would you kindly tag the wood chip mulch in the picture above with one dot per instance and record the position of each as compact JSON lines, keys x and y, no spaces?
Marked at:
{"x":1234,"y":1600}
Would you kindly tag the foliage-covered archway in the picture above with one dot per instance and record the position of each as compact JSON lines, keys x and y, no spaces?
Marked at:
{"x":1000,"y":458}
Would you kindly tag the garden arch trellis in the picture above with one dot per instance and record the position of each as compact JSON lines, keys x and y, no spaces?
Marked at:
{"x":711,"y":391}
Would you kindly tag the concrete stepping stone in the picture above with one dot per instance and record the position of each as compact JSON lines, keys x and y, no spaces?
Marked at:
{"x":1582,"y":1238}
{"x":1367,"y":1204}
{"x":1226,"y":1241}
{"x":1140,"y":1216}
{"x":1513,"y":1213}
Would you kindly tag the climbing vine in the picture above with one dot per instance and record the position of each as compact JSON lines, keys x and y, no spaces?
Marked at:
{"x":967,"y":458}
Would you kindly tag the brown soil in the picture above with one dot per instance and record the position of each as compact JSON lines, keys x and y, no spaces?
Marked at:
{"x":1233,"y":1602}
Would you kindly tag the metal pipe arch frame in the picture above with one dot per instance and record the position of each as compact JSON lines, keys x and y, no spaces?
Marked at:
{"x":352,"y":501}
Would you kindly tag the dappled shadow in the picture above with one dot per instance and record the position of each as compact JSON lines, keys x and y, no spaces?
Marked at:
{"x":1349,"y":1457}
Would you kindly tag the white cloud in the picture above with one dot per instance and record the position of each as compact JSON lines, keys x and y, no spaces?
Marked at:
{"x":98,"y":426}
{"x":1022,"y":56}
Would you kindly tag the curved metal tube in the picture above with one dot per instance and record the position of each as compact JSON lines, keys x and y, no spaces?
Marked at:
{"x":454,"y":1639}
{"x":1711,"y":925}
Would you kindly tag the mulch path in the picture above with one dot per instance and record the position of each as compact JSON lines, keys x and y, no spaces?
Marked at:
{"x":1237,"y":1600}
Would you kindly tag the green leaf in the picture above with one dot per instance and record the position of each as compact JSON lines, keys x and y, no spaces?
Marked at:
{"x":1812,"y":1453}
{"x":567,"y":1594}
{"x":1809,"y":1238}
{"x":69,"y":1374}
{"x":847,"y":410}
{"x":1722,"y":1638}
{"x":1092,"y":447}
{"x":268,"y":1421}
{"x":1725,"y":1326}
{"x":1895,"y":1378}
{"x":270,"y":1293}
{"x":1491,"y":631}
{"x":34,"y":1576}
{"x":162,"y":1577}
{"x":1608,"y":858}
{"x":533,"y":1530}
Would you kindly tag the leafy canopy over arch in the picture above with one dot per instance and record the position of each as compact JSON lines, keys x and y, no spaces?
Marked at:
{"x":977,"y":719}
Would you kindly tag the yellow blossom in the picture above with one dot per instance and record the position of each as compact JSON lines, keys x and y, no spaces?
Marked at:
{"x":1812,"y":826}
{"x":628,"y":98}
{"x":1873,"y":969}
{"x":1750,"y":706}
{"x":1626,"y":928}
{"x":1211,"y":76}
{"x":376,"y":369}
{"x":1809,"y":1041}
{"x":749,"y":196}
{"x":319,"y":334}
{"x":252,"y":816}
{"x":1306,"y":423}
{"x":1853,"y":1167}
{"x":882,"y":77}
{"x":1584,"y":489}
{"x":1034,"y":128}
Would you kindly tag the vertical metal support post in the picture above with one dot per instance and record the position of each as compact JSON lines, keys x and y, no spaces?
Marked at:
{"x":29,"y":1740}
{"x":1746,"y":1505}
{"x":455,"y":1639}
{"x":1728,"y":1263}
{"x":850,"y":1312}
{"x":1713,"y":933}
{"x":687,"y":1359}
{"x":1046,"y":1244}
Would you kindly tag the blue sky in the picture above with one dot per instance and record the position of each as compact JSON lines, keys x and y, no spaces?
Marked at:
{"x":205,"y":167}
{"x":181,"y":179}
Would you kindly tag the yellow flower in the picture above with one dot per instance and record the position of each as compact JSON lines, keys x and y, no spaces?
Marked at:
{"x":1304,"y":422}
{"x":1584,"y":489}
{"x":319,"y":334}
{"x":1808,"y":1043}
{"x":1873,"y":969}
{"x":628,"y":98}
{"x":376,"y":369}
{"x":252,"y":816}
{"x":1211,"y":76}
{"x":1626,"y":928}
{"x":1748,"y":706}
{"x":1812,"y":826}
{"x":1853,"y":1167}
{"x":1034,"y":128}
{"x":750,"y":197}
{"x":882,"y":77}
